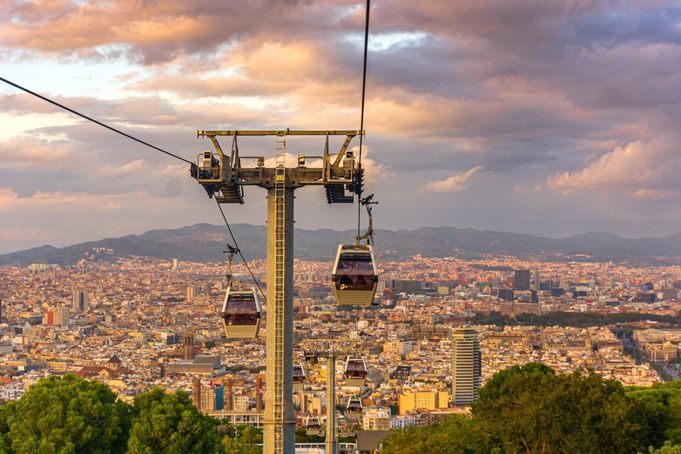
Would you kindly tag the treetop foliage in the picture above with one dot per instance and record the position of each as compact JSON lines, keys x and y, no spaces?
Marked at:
{"x":68,"y":415}
{"x":531,"y":408}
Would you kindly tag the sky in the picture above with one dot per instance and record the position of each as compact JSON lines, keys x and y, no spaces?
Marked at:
{"x":540,"y":117}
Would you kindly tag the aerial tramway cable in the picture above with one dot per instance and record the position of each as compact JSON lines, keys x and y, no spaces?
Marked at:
{"x":111,"y":128}
{"x":358,"y":187}
{"x":238,"y":250}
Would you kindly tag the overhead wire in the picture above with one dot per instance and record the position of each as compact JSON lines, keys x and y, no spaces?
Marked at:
{"x":111,"y":128}
{"x":124,"y":134}
{"x":238,"y":249}
{"x":361,"y":121}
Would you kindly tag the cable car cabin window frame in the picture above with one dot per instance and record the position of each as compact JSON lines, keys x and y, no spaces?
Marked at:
{"x":243,"y":321}
{"x":302,"y":376}
{"x":356,"y":368}
{"x":354,"y":271}
{"x":354,"y":405}
{"x":242,"y":316}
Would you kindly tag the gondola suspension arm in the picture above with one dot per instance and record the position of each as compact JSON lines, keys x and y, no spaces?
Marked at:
{"x":231,"y":250}
{"x":367,"y":202}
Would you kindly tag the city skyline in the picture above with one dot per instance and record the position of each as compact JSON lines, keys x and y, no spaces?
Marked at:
{"x":542,"y":119}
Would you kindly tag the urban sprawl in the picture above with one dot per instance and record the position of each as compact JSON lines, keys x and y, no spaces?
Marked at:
{"x":442,"y":327}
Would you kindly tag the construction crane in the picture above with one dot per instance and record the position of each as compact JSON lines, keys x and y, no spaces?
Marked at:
{"x":224,"y":176}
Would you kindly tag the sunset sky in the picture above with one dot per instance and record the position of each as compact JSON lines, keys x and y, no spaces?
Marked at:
{"x":541,"y":117}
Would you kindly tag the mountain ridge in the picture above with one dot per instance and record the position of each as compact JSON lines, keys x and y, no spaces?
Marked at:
{"x":205,"y":242}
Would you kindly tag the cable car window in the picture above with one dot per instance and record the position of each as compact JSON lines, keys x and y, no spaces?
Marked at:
{"x":241,"y":310}
{"x":355,"y":369}
{"x":355,"y":272}
{"x":355,"y":263}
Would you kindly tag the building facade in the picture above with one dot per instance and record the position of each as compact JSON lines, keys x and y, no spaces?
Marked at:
{"x":79,"y":300}
{"x":466,"y":366}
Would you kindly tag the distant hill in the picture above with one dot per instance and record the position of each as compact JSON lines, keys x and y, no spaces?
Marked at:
{"x":205,"y":242}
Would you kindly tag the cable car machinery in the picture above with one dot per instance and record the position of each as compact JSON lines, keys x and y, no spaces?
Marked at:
{"x":223,"y":177}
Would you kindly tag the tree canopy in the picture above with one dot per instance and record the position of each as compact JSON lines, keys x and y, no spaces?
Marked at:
{"x":65,"y":415}
{"x":169,"y":423}
{"x":531,"y":408}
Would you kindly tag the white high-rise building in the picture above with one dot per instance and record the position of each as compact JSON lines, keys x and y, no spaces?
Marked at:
{"x":61,"y":316}
{"x":466,"y":367}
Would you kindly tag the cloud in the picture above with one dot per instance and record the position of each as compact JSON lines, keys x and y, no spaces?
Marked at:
{"x":26,"y":153}
{"x":455,"y":183}
{"x":9,"y":199}
{"x":156,"y":32}
{"x":646,"y":169}
{"x":576,"y":96}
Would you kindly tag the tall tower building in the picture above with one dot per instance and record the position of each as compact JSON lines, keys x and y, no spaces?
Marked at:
{"x":57,"y":316}
{"x":196,"y":393}
{"x":188,"y":347}
{"x":522,"y":280}
{"x":537,"y":281}
{"x":466,"y":368}
{"x":79,"y":300}
{"x":229,"y":406}
{"x":190,"y":293}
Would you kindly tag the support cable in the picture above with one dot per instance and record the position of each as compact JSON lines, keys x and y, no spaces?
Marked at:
{"x":111,"y":128}
{"x":361,"y":121}
{"x":117,"y":131}
{"x":238,"y":250}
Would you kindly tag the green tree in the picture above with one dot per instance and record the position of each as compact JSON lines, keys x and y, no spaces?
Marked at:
{"x":667,"y":448}
{"x":662,"y":405}
{"x":65,"y":415}
{"x":169,"y":423}
{"x":453,"y":435}
{"x":530,"y":408}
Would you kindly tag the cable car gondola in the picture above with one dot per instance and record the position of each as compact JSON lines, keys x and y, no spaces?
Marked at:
{"x":310,"y":357}
{"x":298,"y":377}
{"x":355,"y":371}
{"x":312,"y":425}
{"x":354,"y":275}
{"x":354,"y":408}
{"x":241,"y":314}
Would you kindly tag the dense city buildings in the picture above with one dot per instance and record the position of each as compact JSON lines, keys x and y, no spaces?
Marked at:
{"x":139,"y":323}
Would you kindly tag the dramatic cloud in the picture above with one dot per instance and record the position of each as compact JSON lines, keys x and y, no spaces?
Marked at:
{"x":455,"y":183}
{"x":644,"y":169}
{"x":581,"y":97}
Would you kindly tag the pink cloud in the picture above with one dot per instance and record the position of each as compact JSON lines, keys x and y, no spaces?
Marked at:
{"x":646,"y":169}
{"x":455,"y":183}
{"x":9,"y":199}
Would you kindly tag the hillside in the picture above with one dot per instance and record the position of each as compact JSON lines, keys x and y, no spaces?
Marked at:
{"x":205,"y":242}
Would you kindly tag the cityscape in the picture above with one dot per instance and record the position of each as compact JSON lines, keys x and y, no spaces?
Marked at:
{"x":428,"y":344}
{"x":340,"y":227}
